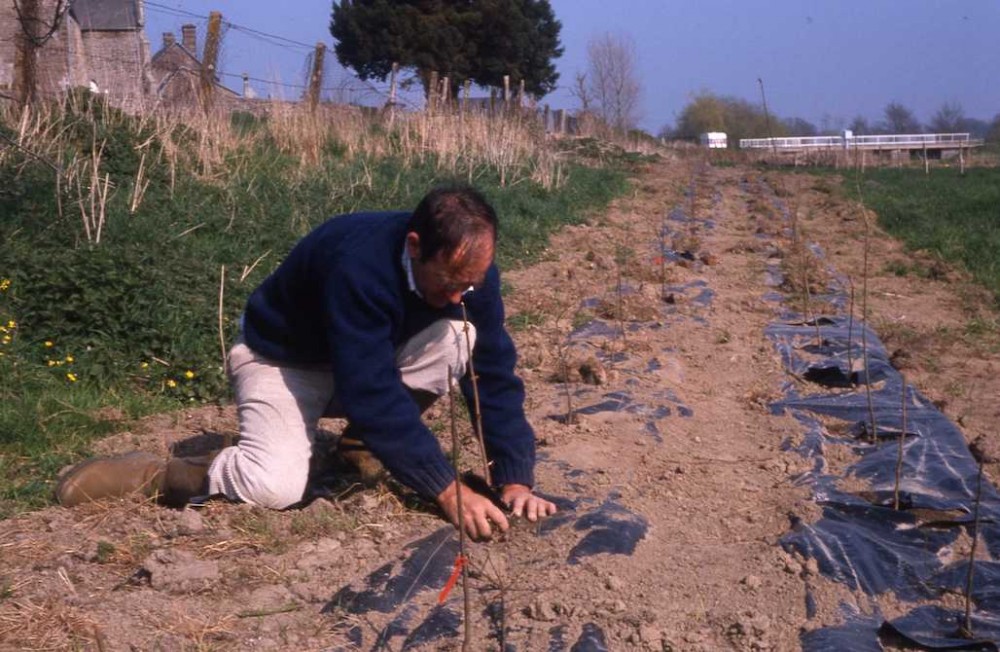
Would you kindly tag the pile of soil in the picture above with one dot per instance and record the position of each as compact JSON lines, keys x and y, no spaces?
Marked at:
{"x":650,"y":383}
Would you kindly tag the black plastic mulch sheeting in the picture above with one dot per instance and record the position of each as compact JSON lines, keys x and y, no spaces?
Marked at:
{"x":861,"y":540}
{"x":605,"y":528}
{"x":936,"y":628}
{"x":859,"y":633}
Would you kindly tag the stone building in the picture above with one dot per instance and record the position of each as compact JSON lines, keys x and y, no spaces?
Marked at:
{"x":95,"y":44}
{"x":176,"y":72}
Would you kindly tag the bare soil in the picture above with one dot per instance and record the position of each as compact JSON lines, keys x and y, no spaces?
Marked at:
{"x":649,"y":382}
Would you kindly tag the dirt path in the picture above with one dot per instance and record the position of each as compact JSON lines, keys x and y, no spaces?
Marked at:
{"x":676,"y":479}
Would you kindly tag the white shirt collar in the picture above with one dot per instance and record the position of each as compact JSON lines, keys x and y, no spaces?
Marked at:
{"x":408,"y":268}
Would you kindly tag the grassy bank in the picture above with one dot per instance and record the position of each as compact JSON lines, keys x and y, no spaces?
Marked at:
{"x":129,"y":245}
{"x":957,"y":217}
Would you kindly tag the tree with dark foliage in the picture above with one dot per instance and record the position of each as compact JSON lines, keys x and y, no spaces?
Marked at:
{"x":475,"y":40}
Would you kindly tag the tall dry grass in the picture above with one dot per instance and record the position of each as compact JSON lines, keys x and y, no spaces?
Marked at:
{"x":213,"y":145}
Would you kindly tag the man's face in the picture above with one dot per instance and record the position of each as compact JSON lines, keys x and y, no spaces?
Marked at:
{"x":443,"y":279}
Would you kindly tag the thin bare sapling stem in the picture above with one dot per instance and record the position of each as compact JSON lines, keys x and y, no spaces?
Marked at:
{"x":222,"y":293}
{"x":978,"y":450}
{"x":864,"y":305}
{"x":850,"y":335}
{"x":864,"y":322}
{"x":902,"y":439}
{"x":620,"y":260}
{"x":798,"y":242}
{"x":663,"y":257}
{"x":570,"y":418}
{"x":478,"y":420}
{"x":456,"y":453}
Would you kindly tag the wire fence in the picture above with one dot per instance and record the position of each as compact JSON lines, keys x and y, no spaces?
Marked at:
{"x":137,"y":79}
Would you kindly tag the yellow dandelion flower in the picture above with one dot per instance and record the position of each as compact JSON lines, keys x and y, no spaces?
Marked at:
{"x":70,"y":358}
{"x":171,"y":382}
{"x":144,"y":365}
{"x":12,"y":324}
{"x":6,"y":339}
{"x":52,"y":363}
{"x":49,"y":344}
{"x":4,"y":284}
{"x":71,"y":377}
{"x":189,"y":374}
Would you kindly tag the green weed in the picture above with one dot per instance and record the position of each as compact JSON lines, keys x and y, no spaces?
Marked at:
{"x":953,"y":216}
{"x":525,"y":320}
{"x":130,"y":322}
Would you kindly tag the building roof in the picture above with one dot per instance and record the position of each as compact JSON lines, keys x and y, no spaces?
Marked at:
{"x":106,"y":15}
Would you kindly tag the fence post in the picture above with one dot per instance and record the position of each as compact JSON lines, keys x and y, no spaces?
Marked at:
{"x":432,"y":92}
{"x":466,"y":89}
{"x":506,"y":92}
{"x":316,"y":78}
{"x":445,"y":91}
{"x":209,"y":59}
{"x":392,"y":84}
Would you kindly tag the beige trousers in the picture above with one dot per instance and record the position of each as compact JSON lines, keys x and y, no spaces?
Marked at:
{"x":279,"y":407}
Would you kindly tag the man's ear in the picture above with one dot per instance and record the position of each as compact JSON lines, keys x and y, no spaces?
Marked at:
{"x":413,"y":245}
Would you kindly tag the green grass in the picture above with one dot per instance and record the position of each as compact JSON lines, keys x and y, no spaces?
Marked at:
{"x":129,"y":326}
{"x":956,"y":217}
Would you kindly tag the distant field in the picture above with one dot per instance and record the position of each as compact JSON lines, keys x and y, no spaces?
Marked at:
{"x":954,"y":216}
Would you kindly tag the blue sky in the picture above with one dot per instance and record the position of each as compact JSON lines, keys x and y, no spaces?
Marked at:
{"x":825,"y":61}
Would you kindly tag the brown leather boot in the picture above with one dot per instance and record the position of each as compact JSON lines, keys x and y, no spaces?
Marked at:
{"x":352,"y":450}
{"x":185,"y":478}
{"x":172,"y":482}
{"x":111,"y":477}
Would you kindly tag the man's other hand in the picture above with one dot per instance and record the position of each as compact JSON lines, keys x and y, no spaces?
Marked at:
{"x":478,"y":511}
{"x":524,"y":503}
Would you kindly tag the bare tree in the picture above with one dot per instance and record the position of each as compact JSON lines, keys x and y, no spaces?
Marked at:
{"x":900,"y":120}
{"x":948,"y":119}
{"x":614,"y":79}
{"x":581,"y":91}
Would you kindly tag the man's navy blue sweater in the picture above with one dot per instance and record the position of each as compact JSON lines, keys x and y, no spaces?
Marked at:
{"x":341,"y":298}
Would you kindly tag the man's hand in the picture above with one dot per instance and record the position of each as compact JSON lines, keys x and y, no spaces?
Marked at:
{"x":478,"y":511}
{"x":524,"y":503}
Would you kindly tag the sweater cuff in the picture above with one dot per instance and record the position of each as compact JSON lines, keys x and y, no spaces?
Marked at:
{"x":429,"y":478}
{"x":513,"y":472}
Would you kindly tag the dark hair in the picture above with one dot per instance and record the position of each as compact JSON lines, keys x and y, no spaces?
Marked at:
{"x":449,"y":216}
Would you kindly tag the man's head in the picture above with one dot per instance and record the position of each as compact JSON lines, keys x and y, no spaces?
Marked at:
{"x":451,"y":238}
